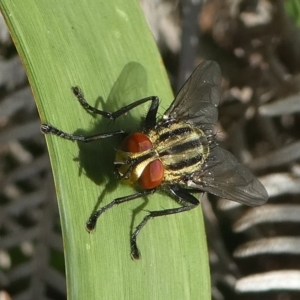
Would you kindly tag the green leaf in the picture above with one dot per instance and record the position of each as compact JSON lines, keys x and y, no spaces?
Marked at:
{"x":105,"y":47}
{"x":292,"y":7}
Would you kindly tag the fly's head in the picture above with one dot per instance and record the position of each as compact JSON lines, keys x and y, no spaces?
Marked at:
{"x":137,"y":162}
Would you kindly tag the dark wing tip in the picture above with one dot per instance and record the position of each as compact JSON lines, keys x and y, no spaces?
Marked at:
{"x":260,"y":193}
{"x":198,"y":99}
{"x":212,"y":71}
{"x":225,"y":177}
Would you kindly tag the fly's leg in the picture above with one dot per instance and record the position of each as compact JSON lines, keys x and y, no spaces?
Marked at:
{"x":182,"y":196}
{"x":91,"y":223}
{"x":48,"y":129}
{"x":150,"y":118}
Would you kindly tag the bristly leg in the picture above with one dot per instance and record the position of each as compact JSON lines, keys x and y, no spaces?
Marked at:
{"x":91,"y":223}
{"x":150,"y":118}
{"x":48,"y":129}
{"x":182,"y":196}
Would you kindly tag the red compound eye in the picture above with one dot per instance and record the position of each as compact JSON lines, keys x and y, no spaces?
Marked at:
{"x":152,"y":175}
{"x":136,"y":142}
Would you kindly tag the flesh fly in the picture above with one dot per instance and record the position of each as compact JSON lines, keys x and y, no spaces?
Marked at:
{"x":177,"y":153}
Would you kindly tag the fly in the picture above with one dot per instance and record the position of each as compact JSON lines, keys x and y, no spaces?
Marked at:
{"x":177,"y":154}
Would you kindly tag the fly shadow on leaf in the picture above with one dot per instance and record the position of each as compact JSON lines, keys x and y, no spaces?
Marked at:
{"x":97,"y":158}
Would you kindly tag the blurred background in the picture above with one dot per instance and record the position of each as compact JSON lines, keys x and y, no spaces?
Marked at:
{"x":254,"y":252}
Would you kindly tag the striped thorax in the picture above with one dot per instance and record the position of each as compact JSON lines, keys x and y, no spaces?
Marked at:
{"x":180,"y":148}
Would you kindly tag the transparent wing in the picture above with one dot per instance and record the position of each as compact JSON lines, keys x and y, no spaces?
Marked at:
{"x":225,"y":177}
{"x":198,"y":99}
